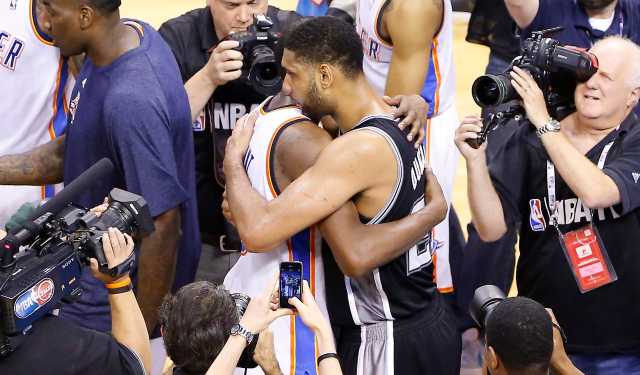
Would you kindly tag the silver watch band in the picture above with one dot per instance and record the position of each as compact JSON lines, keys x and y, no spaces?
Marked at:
{"x":551,"y":126}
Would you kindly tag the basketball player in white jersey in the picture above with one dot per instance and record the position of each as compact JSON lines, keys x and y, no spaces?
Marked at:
{"x":35,"y":82}
{"x":381,"y":295}
{"x":408,"y":49}
{"x":286,"y":143}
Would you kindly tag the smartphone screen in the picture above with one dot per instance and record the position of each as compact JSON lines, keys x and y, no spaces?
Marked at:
{"x":290,"y":282}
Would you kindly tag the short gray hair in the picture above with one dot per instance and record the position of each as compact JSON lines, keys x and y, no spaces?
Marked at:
{"x":634,"y":74}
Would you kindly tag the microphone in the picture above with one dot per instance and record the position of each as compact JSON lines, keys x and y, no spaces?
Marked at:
{"x":77,"y":186}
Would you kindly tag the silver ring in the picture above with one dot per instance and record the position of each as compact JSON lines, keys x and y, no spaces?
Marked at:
{"x":527,"y":88}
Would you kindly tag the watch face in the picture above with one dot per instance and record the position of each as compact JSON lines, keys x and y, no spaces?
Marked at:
{"x":235,"y":329}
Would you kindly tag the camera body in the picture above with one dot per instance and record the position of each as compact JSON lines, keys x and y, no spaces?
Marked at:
{"x":553,"y":66}
{"x":58,"y":245}
{"x":257,"y":46}
{"x":246,"y":358}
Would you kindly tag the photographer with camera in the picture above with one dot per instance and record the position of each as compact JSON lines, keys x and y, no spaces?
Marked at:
{"x":558,"y":178}
{"x":217,"y":312}
{"x":211,"y":67}
{"x":55,"y":346}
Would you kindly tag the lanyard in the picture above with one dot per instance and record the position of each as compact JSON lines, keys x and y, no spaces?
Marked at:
{"x":551,"y":183}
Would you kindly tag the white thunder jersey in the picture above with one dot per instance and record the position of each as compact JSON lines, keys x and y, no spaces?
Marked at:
{"x":439,"y":91}
{"x":294,"y":342}
{"x":34,"y":106}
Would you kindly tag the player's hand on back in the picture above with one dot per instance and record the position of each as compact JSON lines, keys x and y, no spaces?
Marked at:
{"x":238,"y":143}
{"x":416,"y":113}
{"x":434,"y":197}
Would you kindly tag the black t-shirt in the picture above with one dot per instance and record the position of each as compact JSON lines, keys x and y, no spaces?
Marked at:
{"x":55,"y":346}
{"x":190,"y":36}
{"x":604,"y":319}
{"x":404,"y":286}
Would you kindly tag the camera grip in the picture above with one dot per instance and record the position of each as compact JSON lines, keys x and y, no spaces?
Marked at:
{"x":473,"y":143}
{"x":481,"y":137}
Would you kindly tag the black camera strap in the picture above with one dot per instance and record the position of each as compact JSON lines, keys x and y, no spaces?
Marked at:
{"x":121,"y":269}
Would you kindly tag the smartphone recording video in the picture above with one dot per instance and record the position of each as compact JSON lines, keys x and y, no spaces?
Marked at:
{"x":290,"y":282}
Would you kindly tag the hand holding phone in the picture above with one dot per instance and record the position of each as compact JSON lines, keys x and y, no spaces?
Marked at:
{"x":290,"y":283}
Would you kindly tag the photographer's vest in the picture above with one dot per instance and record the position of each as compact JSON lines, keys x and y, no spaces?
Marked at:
{"x":295,"y":343}
{"x":440,"y":85}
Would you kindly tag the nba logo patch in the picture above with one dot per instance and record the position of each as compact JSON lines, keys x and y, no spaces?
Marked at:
{"x":13,"y":5}
{"x":536,"y":219}
{"x":198,"y":125}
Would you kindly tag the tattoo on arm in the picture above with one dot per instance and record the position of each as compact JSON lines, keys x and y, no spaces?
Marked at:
{"x":41,"y":166}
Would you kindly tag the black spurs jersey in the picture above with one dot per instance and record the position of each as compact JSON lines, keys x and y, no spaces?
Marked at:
{"x":405,"y":285}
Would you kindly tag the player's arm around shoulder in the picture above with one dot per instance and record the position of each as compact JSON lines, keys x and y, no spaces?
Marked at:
{"x":412,"y":25}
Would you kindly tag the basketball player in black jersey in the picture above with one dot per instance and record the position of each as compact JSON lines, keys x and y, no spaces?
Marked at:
{"x":386,"y":304}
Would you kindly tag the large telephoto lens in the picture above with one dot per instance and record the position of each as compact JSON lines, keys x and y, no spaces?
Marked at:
{"x":264,"y":71}
{"x":490,"y":91}
{"x":118,"y":216}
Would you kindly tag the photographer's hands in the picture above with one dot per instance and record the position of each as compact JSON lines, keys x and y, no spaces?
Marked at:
{"x":469,"y":129}
{"x":117,"y":248}
{"x":259,"y":313}
{"x":532,"y":97}
{"x":225,"y":63}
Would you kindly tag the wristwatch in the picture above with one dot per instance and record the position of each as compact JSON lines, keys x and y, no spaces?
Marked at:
{"x":240,"y":330}
{"x":551,"y":126}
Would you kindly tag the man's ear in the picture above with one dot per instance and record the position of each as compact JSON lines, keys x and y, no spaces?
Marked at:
{"x":555,"y":346}
{"x":326,"y":75}
{"x":162,"y":331}
{"x":633,"y":97}
{"x":86,"y":17}
{"x":493,"y":359}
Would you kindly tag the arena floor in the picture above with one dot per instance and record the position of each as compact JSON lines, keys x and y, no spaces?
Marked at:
{"x":470,"y":61}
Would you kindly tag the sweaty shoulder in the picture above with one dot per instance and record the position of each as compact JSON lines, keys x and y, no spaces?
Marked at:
{"x":298,"y":148}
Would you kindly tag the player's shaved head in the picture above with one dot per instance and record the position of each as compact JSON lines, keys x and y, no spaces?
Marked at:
{"x":105,"y":7}
{"x":327,"y":40}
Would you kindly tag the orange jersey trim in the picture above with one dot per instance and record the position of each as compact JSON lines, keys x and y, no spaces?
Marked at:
{"x":33,"y":20}
{"x":136,"y":25}
{"x":375,"y":24}
{"x":270,"y":150}
{"x":52,"y":133}
{"x":436,"y":66}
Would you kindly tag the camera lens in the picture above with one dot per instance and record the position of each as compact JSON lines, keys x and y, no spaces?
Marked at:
{"x":264,"y":71}
{"x":242,"y":302}
{"x":490,"y":90}
{"x":118,"y":216}
{"x":485,"y":299}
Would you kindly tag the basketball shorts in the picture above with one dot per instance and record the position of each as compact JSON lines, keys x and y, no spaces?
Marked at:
{"x":428,"y":343}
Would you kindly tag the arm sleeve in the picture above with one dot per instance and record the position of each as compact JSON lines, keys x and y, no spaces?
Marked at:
{"x":506,"y":170}
{"x":141,"y":136}
{"x":624,"y":170}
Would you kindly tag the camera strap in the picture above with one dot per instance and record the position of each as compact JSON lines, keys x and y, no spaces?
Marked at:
{"x":583,"y":247}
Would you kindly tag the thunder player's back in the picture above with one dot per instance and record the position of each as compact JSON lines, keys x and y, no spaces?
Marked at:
{"x":294,"y":342}
{"x":35,"y":81}
{"x":438,"y":90}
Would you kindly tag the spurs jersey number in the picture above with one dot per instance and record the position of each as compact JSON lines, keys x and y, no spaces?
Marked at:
{"x":420,"y":255}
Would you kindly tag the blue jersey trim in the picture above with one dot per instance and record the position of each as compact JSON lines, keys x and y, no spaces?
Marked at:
{"x":430,"y":85}
{"x":305,"y":341}
{"x":60,"y":119}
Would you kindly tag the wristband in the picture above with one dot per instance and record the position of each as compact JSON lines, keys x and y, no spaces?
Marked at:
{"x":328,"y":355}
{"x":118,"y":288}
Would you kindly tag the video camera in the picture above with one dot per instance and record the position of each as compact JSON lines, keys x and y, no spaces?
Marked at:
{"x":246,"y":358}
{"x":555,"y":67}
{"x":60,"y":237}
{"x":257,"y":46}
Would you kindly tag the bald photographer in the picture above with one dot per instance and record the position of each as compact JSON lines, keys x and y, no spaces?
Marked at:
{"x":573,"y":186}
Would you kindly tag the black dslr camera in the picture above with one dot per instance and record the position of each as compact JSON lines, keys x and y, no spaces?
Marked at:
{"x":246,"y":358}
{"x":34,"y":281}
{"x":258,"y":60}
{"x":485,"y":299}
{"x":553,"y":66}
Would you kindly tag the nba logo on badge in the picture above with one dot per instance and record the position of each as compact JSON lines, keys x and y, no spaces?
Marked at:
{"x":536,"y":219}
